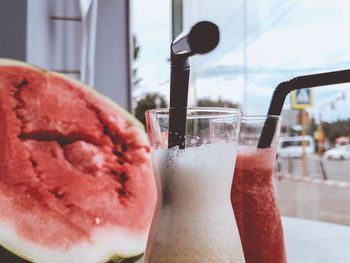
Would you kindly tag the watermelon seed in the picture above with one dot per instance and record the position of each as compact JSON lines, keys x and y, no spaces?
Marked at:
{"x":68,"y":205}
{"x":20,"y":117}
{"x":114,"y":172}
{"x":19,"y":106}
{"x":101,"y":120}
{"x":24,"y":82}
{"x":17,"y":93}
{"x":123,"y":177}
{"x":55,"y":193}
{"x":119,"y":154}
{"x":124,"y":147}
{"x":105,"y":128}
{"x":121,"y":191}
{"x":121,"y":162}
{"x":33,"y":163}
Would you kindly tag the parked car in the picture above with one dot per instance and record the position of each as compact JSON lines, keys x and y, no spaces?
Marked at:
{"x":291,"y":147}
{"x":339,"y":152}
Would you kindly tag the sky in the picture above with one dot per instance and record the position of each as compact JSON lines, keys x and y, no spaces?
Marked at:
{"x":283,"y":39}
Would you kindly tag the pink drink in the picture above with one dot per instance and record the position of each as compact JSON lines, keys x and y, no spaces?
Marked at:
{"x":254,"y":204}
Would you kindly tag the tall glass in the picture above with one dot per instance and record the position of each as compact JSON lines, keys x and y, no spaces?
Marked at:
{"x":194,"y":221}
{"x":253,"y":197}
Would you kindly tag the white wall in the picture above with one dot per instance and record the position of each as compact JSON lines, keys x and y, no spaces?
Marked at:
{"x":54,"y":44}
{"x":113,"y":51}
{"x":13,"y":18}
{"x":29,"y":33}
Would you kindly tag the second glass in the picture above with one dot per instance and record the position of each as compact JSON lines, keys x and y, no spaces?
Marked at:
{"x":253,"y":197}
{"x":194,"y":221}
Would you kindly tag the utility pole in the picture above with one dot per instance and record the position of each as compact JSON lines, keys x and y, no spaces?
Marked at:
{"x":303,"y":142}
{"x":320,"y":137}
{"x":302,"y":99}
{"x":176,"y":17}
{"x":244,"y":56}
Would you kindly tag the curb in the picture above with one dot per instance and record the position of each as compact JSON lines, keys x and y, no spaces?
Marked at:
{"x":313,"y":180}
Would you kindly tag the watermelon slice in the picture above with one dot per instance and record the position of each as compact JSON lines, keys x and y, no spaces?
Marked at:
{"x":76,"y":182}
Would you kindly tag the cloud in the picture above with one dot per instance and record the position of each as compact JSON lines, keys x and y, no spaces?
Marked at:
{"x":217,"y":87}
{"x":227,"y":71}
{"x":297,"y":38}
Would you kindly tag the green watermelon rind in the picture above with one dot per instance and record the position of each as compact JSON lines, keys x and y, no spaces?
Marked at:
{"x":11,"y":257}
{"x":11,"y":250}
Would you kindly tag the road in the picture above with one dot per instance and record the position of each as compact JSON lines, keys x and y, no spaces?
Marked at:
{"x":338,"y":170}
{"x":334,"y":170}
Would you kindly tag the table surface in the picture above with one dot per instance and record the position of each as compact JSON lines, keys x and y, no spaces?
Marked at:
{"x":309,"y":241}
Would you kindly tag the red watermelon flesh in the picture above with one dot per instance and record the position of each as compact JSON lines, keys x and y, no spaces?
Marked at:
{"x":76,"y":183}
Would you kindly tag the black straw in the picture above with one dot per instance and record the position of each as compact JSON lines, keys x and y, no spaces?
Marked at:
{"x":283,"y":89}
{"x":180,"y":73}
{"x":203,"y":37}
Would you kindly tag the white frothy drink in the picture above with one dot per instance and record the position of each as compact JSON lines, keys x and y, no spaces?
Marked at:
{"x":195,"y":221}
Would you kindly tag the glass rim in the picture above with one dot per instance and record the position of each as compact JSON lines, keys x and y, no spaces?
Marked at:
{"x":260,"y":117}
{"x":220,"y":111}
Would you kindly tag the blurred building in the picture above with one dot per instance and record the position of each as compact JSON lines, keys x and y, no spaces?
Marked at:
{"x":290,"y":118}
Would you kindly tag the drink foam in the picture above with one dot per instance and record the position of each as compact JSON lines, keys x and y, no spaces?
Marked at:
{"x":196,"y":221}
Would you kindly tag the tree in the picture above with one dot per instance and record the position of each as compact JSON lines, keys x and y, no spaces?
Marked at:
{"x":336,"y":129}
{"x":149,"y":101}
{"x":217,"y":103}
{"x":135,"y":80}
{"x":312,"y":127}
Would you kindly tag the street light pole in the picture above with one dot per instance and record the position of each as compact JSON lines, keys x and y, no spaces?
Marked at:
{"x":245,"y":56}
{"x":303,"y":142}
{"x":320,"y":134}
{"x":176,"y":18}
